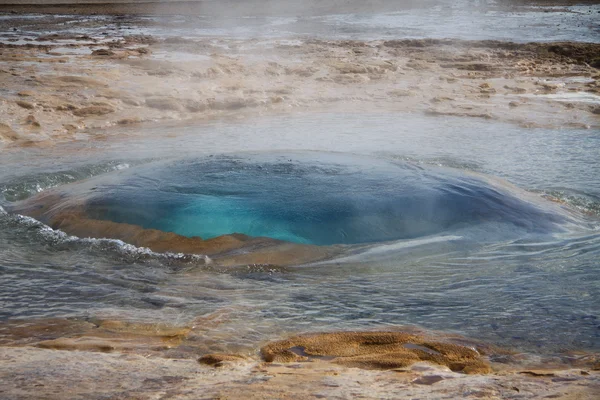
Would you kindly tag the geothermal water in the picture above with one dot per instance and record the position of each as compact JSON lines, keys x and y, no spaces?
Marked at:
{"x":320,"y":199}
{"x":463,"y":225}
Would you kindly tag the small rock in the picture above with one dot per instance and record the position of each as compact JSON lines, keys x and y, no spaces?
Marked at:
{"x":103,"y":52}
{"x":428,"y":380}
{"x":195,"y":105}
{"x":218,"y":359}
{"x":163,"y":103}
{"x":128,"y":121}
{"x":70,"y":127}
{"x":537,"y":373}
{"x":31,"y":120}
{"x":25,"y":104}
{"x":7,"y":134}
{"x":400,"y":93}
{"x":66,"y":107}
{"x":93,"y":110}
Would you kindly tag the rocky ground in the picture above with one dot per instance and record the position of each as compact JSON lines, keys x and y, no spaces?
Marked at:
{"x":101,"y":359}
{"x":56,"y":87}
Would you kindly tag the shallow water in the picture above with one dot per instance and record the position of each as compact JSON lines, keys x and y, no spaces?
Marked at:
{"x":526,"y":276}
{"x":464,"y":19}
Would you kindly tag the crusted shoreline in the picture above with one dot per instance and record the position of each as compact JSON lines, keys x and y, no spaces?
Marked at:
{"x":57,"y":92}
{"x":95,"y":358}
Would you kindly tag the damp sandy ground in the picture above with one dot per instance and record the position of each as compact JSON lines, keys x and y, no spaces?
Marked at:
{"x":57,"y":86}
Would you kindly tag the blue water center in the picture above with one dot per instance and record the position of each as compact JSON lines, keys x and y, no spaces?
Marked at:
{"x":312,"y":198}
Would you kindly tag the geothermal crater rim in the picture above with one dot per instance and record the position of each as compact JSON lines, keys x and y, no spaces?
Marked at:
{"x":305,"y":197}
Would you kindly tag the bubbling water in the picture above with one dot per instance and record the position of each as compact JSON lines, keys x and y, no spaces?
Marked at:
{"x":312,"y":198}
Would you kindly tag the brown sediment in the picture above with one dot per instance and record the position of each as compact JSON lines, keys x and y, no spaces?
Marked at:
{"x":376,"y":350}
{"x":111,"y":335}
{"x":7,"y":134}
{"x":126,"y":81}
{"x":141,"y":360}
{"x":92,"y":334}
{"x":255,"y":250}
{"x":59,"y":212}
{"x":220,"y":359}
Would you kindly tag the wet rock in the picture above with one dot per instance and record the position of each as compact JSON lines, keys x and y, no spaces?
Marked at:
{"x":70,"y":127}
{"x":400,"y":93}
{"x":103,"y":52}
{"x":7,"y":134}
{"x":93,"y":110}
{"x":195,"y":105}
{"x":160,"y":72}
{"x":428,"y":380}
{"x":132,"y":101}
{"x":80,"y":344}
{"x":219,"y":359}
{"x":32,"y":121}
{"x":477,"y":66}
{"x":349,"y":68}
{"x":163,"y":103}
{"x":517,"y":90}
{"x":440,"y":99}
{"x":375,"y":350}
{"x":25,"y":104}
{"x":129,"y":121}
{"x":548,"y":87}
{"x":418,"y":65}
{"x":303,"y":72}
{"x":66,"y":107}
{"x":579,"y":52}
{"x":540,"y":373}
{"x":230,"y":104}
{"x":79,"y":80}
{"x":348,"y":79}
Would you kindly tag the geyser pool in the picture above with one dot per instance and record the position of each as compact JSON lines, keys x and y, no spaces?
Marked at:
{"x":314,"y":198}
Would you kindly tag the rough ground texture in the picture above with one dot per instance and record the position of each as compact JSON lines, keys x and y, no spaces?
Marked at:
{"x":99,"y":359}
{"x":59,"y":87}
{"x":376,"y":350}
